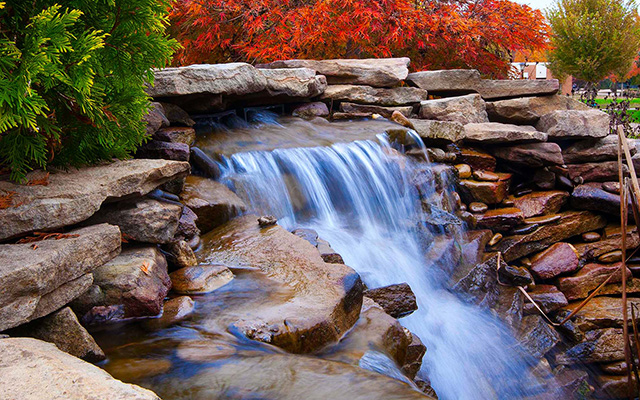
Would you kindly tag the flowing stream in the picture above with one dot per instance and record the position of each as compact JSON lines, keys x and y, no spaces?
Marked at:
{"x":361,"y":197}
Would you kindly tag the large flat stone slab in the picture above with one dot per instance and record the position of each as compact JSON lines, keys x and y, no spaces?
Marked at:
{"x":376,"y":72}
{"x":528,"y":110}
{"x":530,"y":154}
{"x":493,"y":133}
{"x":31,"y":369}
{"x":570,"y":224}
{"x":325,"y":300}
{"x":502,"y":89}
{"x":399,"y":96}
{"x":438,"y":131}
{"x":74,"y":196}
{"x":38,"y":279}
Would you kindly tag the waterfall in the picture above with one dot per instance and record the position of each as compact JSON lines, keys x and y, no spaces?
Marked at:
{"x":361,"y":197}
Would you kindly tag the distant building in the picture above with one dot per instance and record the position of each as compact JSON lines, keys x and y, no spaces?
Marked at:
{"x":539,"y":70}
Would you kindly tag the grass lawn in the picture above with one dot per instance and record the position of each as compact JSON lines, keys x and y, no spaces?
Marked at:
{"x":635,"y":103}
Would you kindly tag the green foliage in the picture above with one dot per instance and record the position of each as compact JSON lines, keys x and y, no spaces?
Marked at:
{"x":72,"y":79}
{"x":593,"y":39}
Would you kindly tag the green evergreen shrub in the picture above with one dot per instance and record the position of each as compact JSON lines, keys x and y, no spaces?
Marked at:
{"x":72,"y":79}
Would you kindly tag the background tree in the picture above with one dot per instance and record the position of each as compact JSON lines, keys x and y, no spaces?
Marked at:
{"x":72,"y":79}
{"x":592,"y":39}
{"x":478,"y":34}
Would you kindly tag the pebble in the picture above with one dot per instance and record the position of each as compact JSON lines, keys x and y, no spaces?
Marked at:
{"x":486,"y":176}
{"x":611,"y":187}
{"x":526,"y":261}
{"x":464,"y":170}
{"x":495,"y":239}
{"x":267,"y":220}
{"x":611,"y":257}
{"x":478,"y":208}
{"x":591,"y":236}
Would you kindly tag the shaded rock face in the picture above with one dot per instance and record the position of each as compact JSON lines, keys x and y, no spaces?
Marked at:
{"x":142,"y":220}
{"x":38,"y":281}
{"x":492,"y":132}
{"x":570,"y":224}
{"x":540,"y":203}
{"x":212,"y":202}
{"x":591,"y":196}
{"x":325,"y":300}
{"x":156,"y":149}
{"x":136,"y":280}
{"x":569,"y":124}
{"x":31,"y":369}
{"x":588,"y":278}
{"x":73,"y":196}
{"x":600,"y":312}
{"x":601,"y":345}
{"x":592,"y":150}
{"x":176,"y":134}
{"x":537,"y":336}
{"x":396,"y":300}
{"x":399,"y":96}
{"x":464,"y":109}
{"x":374,"y":109}
{"x":531,"y":154}
{"x":548,"y":297}
{"x":311,"y":110}
{"x":559,"y":258}
{"x":602,"y":171}
{"x":63,"y":329}
{"x":528,"y":110}
{"x":376,"y":72}
{"x":177,"y":116}
{"x":155,"y":118}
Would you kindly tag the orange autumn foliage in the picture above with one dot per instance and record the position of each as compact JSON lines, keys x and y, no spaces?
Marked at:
{"x":480,"y":34}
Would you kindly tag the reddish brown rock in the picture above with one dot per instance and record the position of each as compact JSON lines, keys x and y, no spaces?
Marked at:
{"x":396,"y":300}
{"x":588,"y":278}
{"x":595,"y":172}
{"x":592,"y":196}
{"x":537,"y":336}
{"x":560,"y":258}
{"x":571,"y":223}
{"x":591,"y":237}
{"x":488,"y":176}
{"x":601,"y":345}
{"x":547,"y":297}
{"x":486,"y":192}
{"x":415,"y":352}
{"x":500,"y":219}
{"x":593,"y":250}
{"x":540,"y":203}
{"x":615,"y":387}
{"x":531,"y":154}
{"x":464,"y":171}
{"x":477,"y":159}
{"x":211,"y":201}
{"x":176,"y":134}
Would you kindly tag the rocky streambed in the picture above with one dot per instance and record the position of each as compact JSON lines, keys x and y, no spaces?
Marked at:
{"x":329,"y":229}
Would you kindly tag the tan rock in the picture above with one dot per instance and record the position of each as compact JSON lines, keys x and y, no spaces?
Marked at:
{"x":528,"y":110}
{"x":37,"y":279}
{"x":75,"y":195}
{"x":31,"y":369}
{"x":600,"y":312}
{"x":494,"y":133}
{"x":464,"y":109}
{"x":564,"y":124}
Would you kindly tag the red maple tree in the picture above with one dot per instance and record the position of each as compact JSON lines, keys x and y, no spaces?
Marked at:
{"x":436,"y":34}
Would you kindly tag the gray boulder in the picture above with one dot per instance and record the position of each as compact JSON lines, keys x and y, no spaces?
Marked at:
{"x":31,"y":369}
{"x":37,"y":279}
{"x":492,"y":132}
{"x":399,"y":96}
{"x":75,"y":195}
{"x":507,"y":88}
{"x":528,"y":110}
{"x":376,"y":72}
{"x":592,"y":150}
{"x":464,"y":109}
{"x":443,"y":82}
{"x":568,"y":124}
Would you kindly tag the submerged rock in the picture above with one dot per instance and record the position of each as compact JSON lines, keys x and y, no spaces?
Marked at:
{"x":37,"y":279}
{"x":31,"y":369}
{"x":173,"y":311}
{"x":325,"y":300}
{"x":396,"y":300}
{"x":200,"y":279}
{"x":73,"y":196}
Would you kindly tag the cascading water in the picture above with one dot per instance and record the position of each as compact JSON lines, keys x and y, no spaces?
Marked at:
{"x":360,"y":197}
